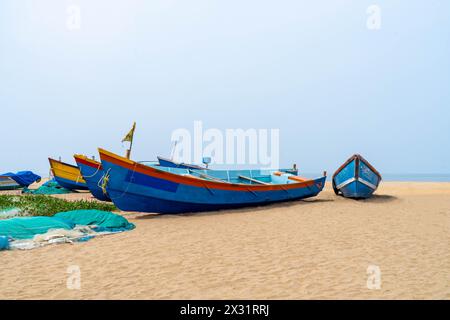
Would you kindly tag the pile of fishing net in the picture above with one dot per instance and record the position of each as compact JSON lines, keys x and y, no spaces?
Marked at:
{"x":64,"y":227}
{"x":50,"y":187}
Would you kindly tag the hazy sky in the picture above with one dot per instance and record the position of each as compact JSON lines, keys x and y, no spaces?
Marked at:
{"x":312,"y":69}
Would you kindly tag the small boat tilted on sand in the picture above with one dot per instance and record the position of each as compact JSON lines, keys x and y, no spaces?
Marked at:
{"x":134,"y":186}
{"x":356,"y":178}
{"x":92,"y":172}
{"x":67,"y":175}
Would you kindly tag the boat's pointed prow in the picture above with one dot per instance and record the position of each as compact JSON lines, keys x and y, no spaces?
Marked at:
{"x":67,"y":175}
{"x":356,"y":178}
{"x":92,"y":172}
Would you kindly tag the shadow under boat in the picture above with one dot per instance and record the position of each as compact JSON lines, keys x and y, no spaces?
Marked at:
{"x":254,"y":209}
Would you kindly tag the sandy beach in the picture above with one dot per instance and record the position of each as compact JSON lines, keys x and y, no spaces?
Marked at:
{"x":319,"y":248}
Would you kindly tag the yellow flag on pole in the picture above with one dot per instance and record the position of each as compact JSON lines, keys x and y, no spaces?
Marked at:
{"x":130,"y":135}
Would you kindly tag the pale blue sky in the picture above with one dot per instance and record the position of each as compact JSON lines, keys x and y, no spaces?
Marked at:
{"x":310,"y":68}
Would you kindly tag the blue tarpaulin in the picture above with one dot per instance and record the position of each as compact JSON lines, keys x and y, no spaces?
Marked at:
{"x":24,"y":178}
{"x":4,"y":243}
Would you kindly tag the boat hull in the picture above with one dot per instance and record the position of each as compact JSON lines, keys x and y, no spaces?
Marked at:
{"x":356,"y":179}
{"x":7,"y":183}
{"x":135,"y":187}
{"x":67,"y":176}
{"x":92,"y":172}
{"x":21,"y":179}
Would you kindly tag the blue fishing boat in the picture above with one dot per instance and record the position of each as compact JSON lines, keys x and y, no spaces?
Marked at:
{"x":92,"y":172}
{"x":165,"y":162}
{"x":356,"y":178}
{"x":134,"y":186}
{"x":169,"y":163}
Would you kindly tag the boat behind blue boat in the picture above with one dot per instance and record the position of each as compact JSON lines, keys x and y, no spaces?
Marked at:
{"x":67,"y":175}
{"x":169,"y":163}
{"x":92,"y":172}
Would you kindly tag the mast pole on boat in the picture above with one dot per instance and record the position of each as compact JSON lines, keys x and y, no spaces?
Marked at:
{"x":129,"y":150}
{"x":130,"y":137}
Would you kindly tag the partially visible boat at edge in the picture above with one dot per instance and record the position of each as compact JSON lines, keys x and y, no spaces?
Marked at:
{"x":133,"y":186}
{"x":8,"y":183}
{"x":92,"y":172}
{"x":19,"y":180}
{"x":356,"y":178}
{"x":68,"y":176}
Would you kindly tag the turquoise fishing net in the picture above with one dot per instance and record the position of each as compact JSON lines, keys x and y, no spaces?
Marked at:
{"x":50,"y":187}
{"x":104,"y":220}
{"x":27,"y":227}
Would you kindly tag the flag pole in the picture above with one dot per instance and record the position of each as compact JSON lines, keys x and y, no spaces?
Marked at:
{"x":129,"y":150}
{"x":130,"y":137}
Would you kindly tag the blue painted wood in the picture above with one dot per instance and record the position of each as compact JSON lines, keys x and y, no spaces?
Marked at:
{"x":92,"y":176}
{"x":71,"y":185}
{"x":356,"y":179}
{"x":164,"y":162}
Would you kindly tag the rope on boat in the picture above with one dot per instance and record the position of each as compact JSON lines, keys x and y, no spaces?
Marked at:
{"x":105,"y":183}
{"x":98,"y":169}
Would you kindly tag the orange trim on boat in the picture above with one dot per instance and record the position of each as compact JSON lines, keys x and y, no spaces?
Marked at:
{"x":297,"y":178}
{"x":66,"y":171}
{"x":140,"y":168}
{"x":85,"y":160}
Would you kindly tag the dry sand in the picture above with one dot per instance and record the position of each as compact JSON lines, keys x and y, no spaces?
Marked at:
{"x":313,"y":249}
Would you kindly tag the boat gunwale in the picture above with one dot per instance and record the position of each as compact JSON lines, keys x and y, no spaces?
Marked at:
{"x":63,"y":163}
{"x":86,"y":161}
{"x":360,"y":158}
{"x":81,"y":182}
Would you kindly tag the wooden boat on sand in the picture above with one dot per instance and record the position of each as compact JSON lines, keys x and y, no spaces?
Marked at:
{"x":356,"y":178}
{"x":8,"y":183}
{"x":67,"y":175}
{"x":134,"y":186}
